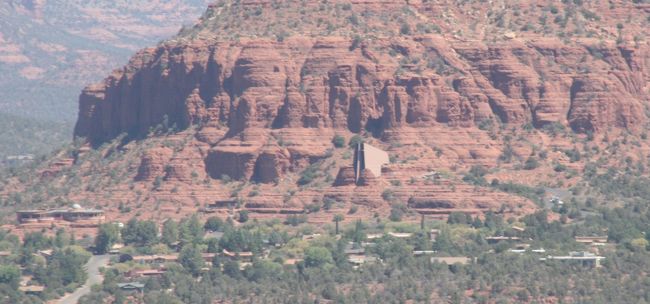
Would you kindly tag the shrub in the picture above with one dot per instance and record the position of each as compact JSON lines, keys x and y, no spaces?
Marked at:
{"x":387,"y":195}
{"x":531,"y":163}
{"x":396,"y":213}
{"x":295,"y":220}
{"x":353,"y":210}
{"x":573,"y":154}
{"x":328,"y":202}
{"x":308,"y":175}
{"x":508,"y":154}
{"x":355,"y":140}
{"x":317,"y":256}
{"x":311,"y":208}
{"x":157,"y":182}
{"x":243,"y":216}
{"x":476,"y":175}
{"x":338,"y":141}
{"x":213,"y":223}
{"x":405,"y":29}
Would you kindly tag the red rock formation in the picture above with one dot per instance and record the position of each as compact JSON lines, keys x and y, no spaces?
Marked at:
{"x":153,"y":164}
{"x":271,"y":164}
{"x":325,"y":84}
{"x":345,"y":177}
{"x":247,"y":93}
{"x":367,"y":178}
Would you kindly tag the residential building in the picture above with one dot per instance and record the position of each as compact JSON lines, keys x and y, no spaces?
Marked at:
{"x":584,"y":258}
{"x":452,"y":260}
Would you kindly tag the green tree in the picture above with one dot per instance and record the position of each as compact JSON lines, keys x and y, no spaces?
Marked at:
{"x":444,"y":240}
{"x":358,"y":234}
{"x":190,"y":258}
{"x":263,"y":269}
{"x":195,"y":226}
{"x":36,"y":241}
{"x":355,"y":140}
{"x":243,"y":216}
{"x":170,"y":232}
{"x":108,"y":234}
{"x":277,"y":238}
{"x":397,"y":212}
{"x":10,"y":275}
{"x":213,"y":223}
{"x":241,"y":240}
{"x":191,"y":230}
{"x":531,"y":163}
{"x":231,"y":269}
{"x":338,"y":141}
{"x":160,"y":297}
{"x":64,"y":267}
{"x":338,"y":218}
{"x":317,"y":256}
{"x":62,"y":238}
{"x":140,"y":233}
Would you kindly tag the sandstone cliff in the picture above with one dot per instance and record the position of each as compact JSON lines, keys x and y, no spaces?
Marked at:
{"x":264,"y":86}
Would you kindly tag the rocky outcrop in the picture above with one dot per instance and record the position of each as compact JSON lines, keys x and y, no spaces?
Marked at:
{"x":326,"y":84}
{"x":345,"y":177}
{"x":269,"y":105}
{"x":598,"y":103}
{"x":366,"y":178}
{"x":271,"y":164}
{"x":153,"y":164}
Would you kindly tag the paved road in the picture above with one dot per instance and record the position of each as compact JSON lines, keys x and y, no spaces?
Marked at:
{"x":94,"y":277}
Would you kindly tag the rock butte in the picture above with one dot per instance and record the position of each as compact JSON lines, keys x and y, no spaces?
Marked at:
{"x":264,"y":109}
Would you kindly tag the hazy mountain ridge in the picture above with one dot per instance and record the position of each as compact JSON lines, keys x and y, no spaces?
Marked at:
{"x":49,"y":50}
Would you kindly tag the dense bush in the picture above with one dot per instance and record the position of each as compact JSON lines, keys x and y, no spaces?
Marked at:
{"x":355,"y":141}
{"x":338,"y":141}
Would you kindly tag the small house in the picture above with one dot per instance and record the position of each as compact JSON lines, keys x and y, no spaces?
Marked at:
{"x":451,"y":260}
{"x":131,"y":287}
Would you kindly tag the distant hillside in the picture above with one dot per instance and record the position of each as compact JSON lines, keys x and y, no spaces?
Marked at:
{"x":27,"y":136}
{"x":49,"y":50}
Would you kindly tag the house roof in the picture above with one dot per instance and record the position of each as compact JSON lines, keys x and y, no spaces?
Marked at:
{"x":361,"y":259}
{"x":146,"y":272}
{"x":355,"y":251}
{"x":400,"y":234}
{"x":164,"y":257}
{"x":130,"y":285}
{"x":451,"y":260}
{"x":32,"y":288}
{"x":503,"y":238}
{"x":240,"y":254}
{"x":291,"y":261}
{"x":591,"y":239}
